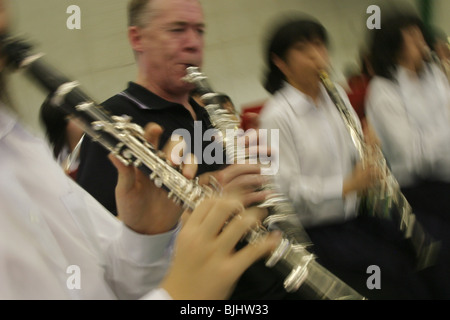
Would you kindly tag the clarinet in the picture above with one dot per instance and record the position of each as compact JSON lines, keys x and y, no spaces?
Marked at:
{"x":385,"y":201}
{"x":297,"y":264}
{"x":126,"y":141}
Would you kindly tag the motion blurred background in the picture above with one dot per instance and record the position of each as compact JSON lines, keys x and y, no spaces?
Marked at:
{"x":99,"y":57}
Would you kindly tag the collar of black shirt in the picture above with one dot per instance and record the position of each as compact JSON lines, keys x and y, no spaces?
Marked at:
{"x":152,"y":101}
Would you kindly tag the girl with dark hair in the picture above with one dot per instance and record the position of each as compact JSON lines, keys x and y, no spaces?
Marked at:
{"x":299,"y":32}
{"x":408,"y":104}
{"x":388,"y":43}
{"x":320,"y":170}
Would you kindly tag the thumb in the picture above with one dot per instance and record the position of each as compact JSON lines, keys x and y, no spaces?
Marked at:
{"x":152,"y":133}
{"x":190,"y":167}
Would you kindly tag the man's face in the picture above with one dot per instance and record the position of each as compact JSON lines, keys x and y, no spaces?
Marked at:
{"x":172,"y":41}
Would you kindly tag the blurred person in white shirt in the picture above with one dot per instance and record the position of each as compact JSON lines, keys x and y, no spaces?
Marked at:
{"x":408,"y":104}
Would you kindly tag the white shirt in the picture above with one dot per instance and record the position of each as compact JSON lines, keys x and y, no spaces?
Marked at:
{"x":315,"y":154}
{"x":411,"y":118}
{"x":57,"y":242}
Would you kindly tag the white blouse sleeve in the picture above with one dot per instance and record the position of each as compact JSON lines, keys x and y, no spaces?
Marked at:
{"x":134,"y":263}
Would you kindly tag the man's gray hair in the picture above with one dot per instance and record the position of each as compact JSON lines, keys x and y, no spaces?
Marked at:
{"x":137,"y":10}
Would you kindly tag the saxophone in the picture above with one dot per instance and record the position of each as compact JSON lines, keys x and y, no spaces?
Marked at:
{"x":305,"y":269}
{"x":126,"y":141}
{"x":386,"y":200}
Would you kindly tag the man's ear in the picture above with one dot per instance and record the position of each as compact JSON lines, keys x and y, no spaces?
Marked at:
{"x":135,"y":38}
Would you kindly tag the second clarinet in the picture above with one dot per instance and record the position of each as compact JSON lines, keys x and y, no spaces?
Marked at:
{"x":293,"y":260}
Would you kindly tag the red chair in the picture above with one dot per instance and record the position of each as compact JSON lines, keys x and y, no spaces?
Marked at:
{"x":249,"y":117}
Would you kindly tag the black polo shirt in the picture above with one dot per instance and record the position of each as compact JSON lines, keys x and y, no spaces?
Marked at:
{"x":98,"y":176}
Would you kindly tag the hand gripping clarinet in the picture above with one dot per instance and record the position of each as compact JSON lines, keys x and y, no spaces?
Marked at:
{"x":126,"y":141}
{"x":386,"y":200}
{"x":293,"y":259}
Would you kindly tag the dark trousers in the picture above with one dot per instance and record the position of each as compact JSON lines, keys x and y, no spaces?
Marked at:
{"x":430,"y":201}
{"x":347,"y":250}
{"x":350,"y":248}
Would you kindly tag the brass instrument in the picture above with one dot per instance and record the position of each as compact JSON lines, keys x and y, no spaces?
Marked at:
{"x":299,"y":266}
{"x":386,"y":200}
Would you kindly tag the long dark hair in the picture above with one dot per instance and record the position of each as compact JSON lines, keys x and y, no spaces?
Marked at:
{"x":386,"y":43}
{"x":286,"y":34}
{"x":55,"y":123}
